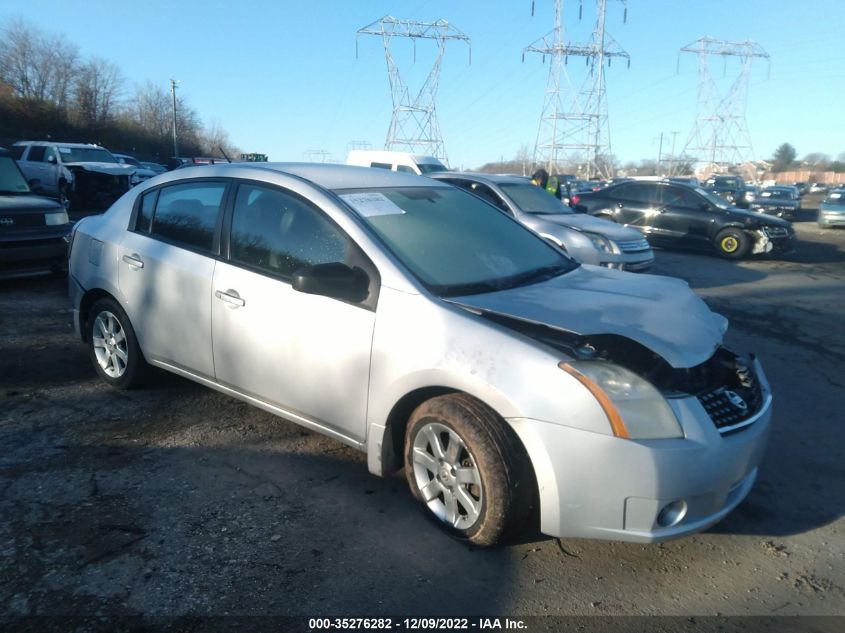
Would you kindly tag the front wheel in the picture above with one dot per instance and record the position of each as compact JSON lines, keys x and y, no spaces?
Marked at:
{"x":733,"y":243}
{"x":64,"y":196}
{"x":467,"y":469}
{"x":113,"y":346}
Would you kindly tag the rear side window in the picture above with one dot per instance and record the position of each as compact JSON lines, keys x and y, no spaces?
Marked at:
{"x":382,"y":165}
{"x":280,"y":233}
{"x":17,"y":151}
{"x":405,"y":168}
{"x":637,"y":192}
{"x":145,"y":212}
{"x":187,"y":214}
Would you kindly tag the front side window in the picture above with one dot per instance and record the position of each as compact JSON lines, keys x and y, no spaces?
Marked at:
{"x":280,"y":233}
{"x":679,"y":197}
{"x":453,"y":242}
{"x":187,"y":214}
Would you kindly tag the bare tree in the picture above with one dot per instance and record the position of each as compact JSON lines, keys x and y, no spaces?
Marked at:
{"x":149,"y":108}
{"x":216,"y":139}
{"x":37,"y":67}
{"x":96,"y":89}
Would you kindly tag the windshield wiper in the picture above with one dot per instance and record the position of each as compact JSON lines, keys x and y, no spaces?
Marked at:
{"x":540,"y":274}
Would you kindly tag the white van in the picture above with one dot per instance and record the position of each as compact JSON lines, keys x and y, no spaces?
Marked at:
{"x":395,"y":161}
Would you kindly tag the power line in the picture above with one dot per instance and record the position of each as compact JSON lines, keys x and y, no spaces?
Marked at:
{"x":574,"y":127}
{"x":414,"y":126}
{"x":720,"y":137}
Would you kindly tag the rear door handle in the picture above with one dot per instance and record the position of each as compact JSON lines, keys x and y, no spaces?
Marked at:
{"x":134,"y":261}
{"x":231,"y":299}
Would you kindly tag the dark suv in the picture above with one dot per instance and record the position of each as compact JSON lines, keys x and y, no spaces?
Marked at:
{"x":731,"y":188}
{"x":671,"y":214}
{"x":33,"y":229}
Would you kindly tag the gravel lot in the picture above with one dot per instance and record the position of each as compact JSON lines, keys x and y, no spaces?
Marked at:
{"x":176,"y":500}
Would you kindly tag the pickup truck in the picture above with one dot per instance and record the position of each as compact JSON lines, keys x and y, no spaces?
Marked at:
{"x":78,"y":175}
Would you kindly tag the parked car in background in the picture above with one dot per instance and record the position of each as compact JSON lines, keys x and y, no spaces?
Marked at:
{"x":780,"y":201}
{"x":674,"y":215}
{"x":728,"y":187}
{"x":802,"y":188}
{"x":586,"y":239}
{"x":684,"y":180}
{"x":177,"y":162}
{"x":141,"y":173}
{"x":832,"y":209}
{"x":819,"y":187}
{"x":156,"y":167}
{"x":33,"y":229}
{"x":748,"y":195}
{"x":415,"y":322}
{"x":395,"y":161}
{"x":79,"y":175}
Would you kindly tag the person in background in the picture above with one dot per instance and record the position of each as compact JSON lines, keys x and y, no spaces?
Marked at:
{"x":542,"y":179}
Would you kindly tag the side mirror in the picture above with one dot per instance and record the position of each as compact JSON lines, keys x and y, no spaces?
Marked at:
{"x":335,"y":280}
{"x":51,"y":159}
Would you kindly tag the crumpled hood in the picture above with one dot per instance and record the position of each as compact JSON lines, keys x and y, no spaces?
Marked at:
{"x":27,"y":203}
{"x":661,"y":313}
{"x":584,"y":222}
{"x":113,"y":169}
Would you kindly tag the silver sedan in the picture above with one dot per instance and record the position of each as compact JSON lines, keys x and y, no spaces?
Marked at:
{"x":586,"y":239}
{"x":414,"y":322}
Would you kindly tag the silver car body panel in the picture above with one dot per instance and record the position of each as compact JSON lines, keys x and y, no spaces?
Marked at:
{"x":341,"y":370}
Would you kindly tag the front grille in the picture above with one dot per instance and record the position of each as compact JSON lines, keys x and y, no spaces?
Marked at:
{"x":634,"y":246}
{"x":730,"y":407}
{"x":21,"y":220}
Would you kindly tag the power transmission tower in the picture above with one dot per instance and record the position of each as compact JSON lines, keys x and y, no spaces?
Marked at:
{"x":316,"y":156}
{"x":352,"y":145}
{"x":720,"y":137}
{"x":574,"y":128}
{"x":414,"y":126}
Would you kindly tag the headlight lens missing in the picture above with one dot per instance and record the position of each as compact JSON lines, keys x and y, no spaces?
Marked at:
{"x":634,"y":408}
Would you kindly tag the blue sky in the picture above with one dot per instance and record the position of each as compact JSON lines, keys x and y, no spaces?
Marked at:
{"x":283,"y":78}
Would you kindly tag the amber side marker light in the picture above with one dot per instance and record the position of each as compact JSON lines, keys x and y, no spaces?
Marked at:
{"x":604,"y":401}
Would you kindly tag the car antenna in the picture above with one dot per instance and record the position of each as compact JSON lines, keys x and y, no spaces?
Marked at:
{"x":228,"y":160}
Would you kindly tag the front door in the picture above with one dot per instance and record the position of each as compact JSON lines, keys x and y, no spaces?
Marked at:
{"x":306,"y":354}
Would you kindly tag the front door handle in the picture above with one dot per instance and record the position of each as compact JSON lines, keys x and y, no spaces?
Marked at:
{"x":134,"y":261}
{"x":228,"y":297}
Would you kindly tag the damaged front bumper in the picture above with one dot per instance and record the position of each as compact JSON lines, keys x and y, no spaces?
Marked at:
{"x":601,"y":486}
{"x":773,"y":240}
{"x":97,"y":190}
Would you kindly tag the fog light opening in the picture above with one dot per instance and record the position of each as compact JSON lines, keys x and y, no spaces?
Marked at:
{"x":672,"y":513}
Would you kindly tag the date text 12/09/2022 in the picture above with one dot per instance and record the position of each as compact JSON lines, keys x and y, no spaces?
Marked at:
{"x":416,"y":624}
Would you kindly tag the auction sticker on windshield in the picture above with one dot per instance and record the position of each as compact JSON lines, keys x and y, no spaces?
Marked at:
{"x":371,"y":204}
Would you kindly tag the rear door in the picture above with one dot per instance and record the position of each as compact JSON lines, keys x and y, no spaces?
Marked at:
{"x":635,"y":204}
{"x":35,"y":165}
{"x":166,"y":267}
{"x":304,"y":353}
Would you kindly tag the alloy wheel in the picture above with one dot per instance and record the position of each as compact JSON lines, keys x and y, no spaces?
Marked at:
{"x":110,"y":346}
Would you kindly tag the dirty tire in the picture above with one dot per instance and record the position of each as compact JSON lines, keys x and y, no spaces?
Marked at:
{"x":733,"y":243}
{"x":113,"y":346}
{"x":488,"y":450}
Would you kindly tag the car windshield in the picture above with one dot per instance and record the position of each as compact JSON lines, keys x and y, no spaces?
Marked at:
{"x":836,"y":199}
{"x":453,"y":242}
{"x":533,"y":199}
{"x":11,"y":178}
{"x":428,"y":168}
{"x":86,"y":155}
{"x":777,"y":193}
{"x":712,"y":198}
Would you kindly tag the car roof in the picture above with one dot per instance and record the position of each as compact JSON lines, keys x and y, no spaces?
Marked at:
{"x":63,"y":144}
{"x":326,"y":175}
{"x":481,"y":176}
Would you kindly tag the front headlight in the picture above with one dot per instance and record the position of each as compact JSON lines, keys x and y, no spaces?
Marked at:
{"x":634,"y":408}
{"x":55,"y":219}
{"x":600,"y":242}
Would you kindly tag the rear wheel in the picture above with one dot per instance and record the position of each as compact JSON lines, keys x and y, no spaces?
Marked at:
{"x":113,"y":347}
{"x":467,"y":469}
{"x":733,"y":243}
